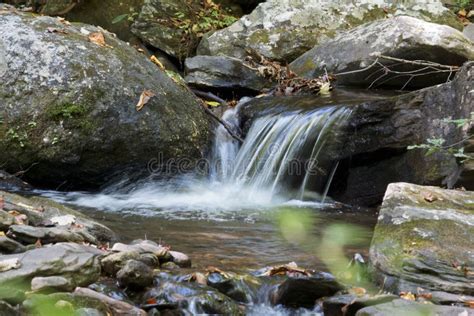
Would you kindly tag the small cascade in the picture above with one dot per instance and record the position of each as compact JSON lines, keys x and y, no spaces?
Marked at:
{"x":283,"y":154}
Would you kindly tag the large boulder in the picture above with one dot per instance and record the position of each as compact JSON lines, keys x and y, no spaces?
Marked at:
{"x":285,"y":29}
{"x":405,"y":307}
{"x":400,"y":37}
{"x":176,"y":26}
{"x":423,"y":239}
{"x":68,"y":105}
{"x":77,"y":263}
{"x":371,"y":145}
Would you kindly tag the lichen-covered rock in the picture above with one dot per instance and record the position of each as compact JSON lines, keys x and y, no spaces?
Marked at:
{"x":77,"y":263}
{"x":285,"y":29}
{"x":47,"y":235}
{"x":51,"y":283}
{"x":69,"y":105}
{"x":424,"y":238}
{"x":40,"y":211}
{"x":174,"y":26}
{"x":400,"y":37}
{"x":180,"y":259}
{"x":135,"y":274}
{"x":223,"y":72}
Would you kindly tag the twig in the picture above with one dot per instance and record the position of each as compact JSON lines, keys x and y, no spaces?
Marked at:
{"x":209,"y":95}
{"x":418,"y":62}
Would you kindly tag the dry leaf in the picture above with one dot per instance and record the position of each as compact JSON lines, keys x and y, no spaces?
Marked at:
{"x":462,"y":13}
{"x":429,"y":197}
{"x":359,"y":291}
{"x":14,"y":213}
{"x":470,"y":304}
{"x":98,"y":38}
{"x":198,"y":278}
{"x":64,"y":21}
{"x":2,"y":233}
{"x":144,"y":98}
{"x":157,"y":62}
{"x":38,"y":244}
{"x":408,"y":296}
{"x":2,"y":202}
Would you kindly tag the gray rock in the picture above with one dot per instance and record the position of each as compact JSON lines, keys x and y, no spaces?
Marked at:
{"x":7,"y":310}
{"x":180,"y":259}
{"x":135,"y":274}
{"x":40,"y":210}
{"x":6,"y":220}
{"x":424,"y":238}
{"x":170,"y":265}
{"x":88,"y":312}
{"x":52,"y":283}
{"x":296,"y":292}
{"x":10,"y":246}
{"x":372,"y":143}
{"x":283,"y":30}
{"x":9,"y":182}
{"x":399,"y":37}
{"x":142,"y":246}
{"x":348,"y":304}
{"x":47,"y":235}
{"x":469,"y":31}
{"x":241,"y":288}
{"x":444,"y":298}
{"x":75,"y":106}
{"x":77,"y":263}
{"x":405,"y":307}
{"x":222,"y":72}
{"x":112,"y":263}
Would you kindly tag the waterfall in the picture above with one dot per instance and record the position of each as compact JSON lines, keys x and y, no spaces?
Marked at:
{"x":282,"y":153}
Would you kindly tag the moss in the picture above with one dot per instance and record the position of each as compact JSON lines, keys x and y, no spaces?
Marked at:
{"x":65,"y":111}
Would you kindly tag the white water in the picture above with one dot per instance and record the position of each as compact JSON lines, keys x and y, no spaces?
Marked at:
{"x":243,"y":181}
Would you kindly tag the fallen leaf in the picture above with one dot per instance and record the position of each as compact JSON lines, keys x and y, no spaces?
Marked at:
{"x":9,"y":264}
{"x":98,"y":38}
{"x":470,"y":304}
{"x":38,"y":244}
{"x":290,"y":268}
{"x":64,"y":21}
{"x":151,"y":301}
{"x":462,"y":13}
{"x":2,"y":233}
{"x":14,"y":213}
{"x":325,"y":88}
{"x":408,"y":296}
{"x":429,"y":197}
{"x":55,"y":30}
{"x":198,"y":278}
{"x":21,"y":219}
{"x":213,"y":103}
{"x":2,"y":202}
{"x":359,"y":291}
{"x":144,"y":98}
{"x":157,"y":62}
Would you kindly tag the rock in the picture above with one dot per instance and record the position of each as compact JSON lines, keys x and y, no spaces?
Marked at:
{"x":63,"y":304}
{"x":399,"y":37}
{"x":88,"y":312}
{"x":52,"y":283}
{"x":240,"y":288}
{"x":444,"y":298}
{"x":75,"y":103}
{"x":283,"y":30}
{"x":180,"y":259}
{"x":6,"y":220}
{"x":404,"y":307}
{"x":296,"y":292}
{"x":7,"y":310}
{"x":10,"y":246}
{"x":469,"y":31}
{"x":170,"y":266}
{"x":423,"y":238}
{"x":181,"y":37}
{"x":117,"y":307}
{"x":112,"y":263}
{"x":143,"y":246}
{"x":9,"y":182}
{"x":47,"y":235}
{"x":79,"y":264}
{"x":222,"y":72}
{"x":194,"y":298}
{"x":135,"y":274}
{"x":348,"y":304}
{"x":40,"y":210}
{"x":371,"y":145}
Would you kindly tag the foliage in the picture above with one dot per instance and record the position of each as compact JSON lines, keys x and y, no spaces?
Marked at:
{"x":129,"y":17}
{"x":436,"y":145}
{"x":463,"y":4}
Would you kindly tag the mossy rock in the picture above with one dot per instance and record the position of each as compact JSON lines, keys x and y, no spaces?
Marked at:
{"x":69,"y":106}
{"x":423,"y":238}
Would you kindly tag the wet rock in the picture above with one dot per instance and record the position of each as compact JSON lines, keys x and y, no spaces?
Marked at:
{"x":240,"y":288}
{"x":296,"y":292}
{"x":371,"y":145}
{"x":194,"y":298}
{"x":40,"y":211}
{"x":29,"y":234}
{"x":149,"y":259}
{"x":444,"y":298}
{"x":82,"y":134}
{"x":423,"y":238}
{"x":170,"y":265}
{"x":9,"y":182}
{"x":79,"y":264}
{"x":404,"y":307}
{"x":222,"y":72}
{"x":348,"y":304}
{"x":283,"y":30}
{"x":400,"y":37}
{"x":135,"y":274}
{"x":10,"y":246}
{"x":117,"y":307}
{"x":6,"y":220}
{"x":113,"y":262}
{"x":50,"y":284}
{"x":180,"y":259}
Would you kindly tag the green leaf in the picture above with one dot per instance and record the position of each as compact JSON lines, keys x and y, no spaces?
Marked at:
{"x":119,"y":18}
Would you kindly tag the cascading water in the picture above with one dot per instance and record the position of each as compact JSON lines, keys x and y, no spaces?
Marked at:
{"x":283,"y":160}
